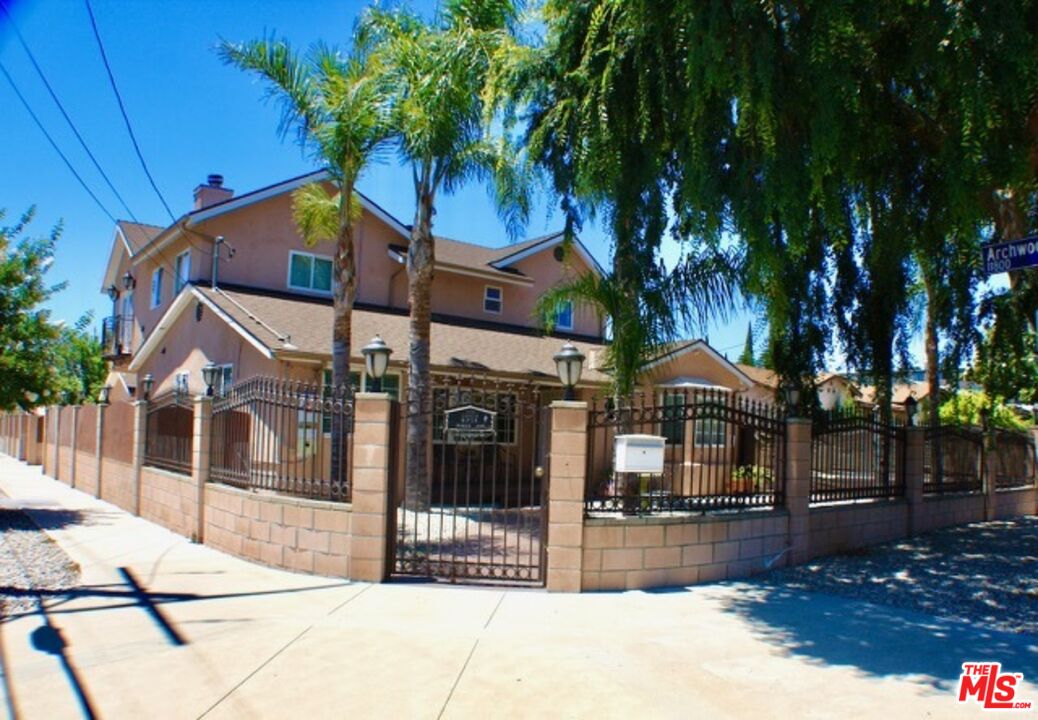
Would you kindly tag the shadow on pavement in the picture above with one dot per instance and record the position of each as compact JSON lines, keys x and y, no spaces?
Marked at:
{"x":878,"y":640}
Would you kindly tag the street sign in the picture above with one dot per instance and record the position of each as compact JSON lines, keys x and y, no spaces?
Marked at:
{"x":1011,"y":255}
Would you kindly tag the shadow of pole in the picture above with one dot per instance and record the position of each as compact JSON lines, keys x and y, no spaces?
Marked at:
{"x":48,"y":638}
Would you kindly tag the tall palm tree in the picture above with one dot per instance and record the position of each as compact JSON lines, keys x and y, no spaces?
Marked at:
{"x":436,"y":77}
{"x":340,"y":116}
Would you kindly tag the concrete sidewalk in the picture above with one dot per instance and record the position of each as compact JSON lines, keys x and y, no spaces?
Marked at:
{"x":163,"y":628}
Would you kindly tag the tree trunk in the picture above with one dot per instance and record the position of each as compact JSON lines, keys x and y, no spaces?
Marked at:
{"x":420,"y":259}
{"x":933,"y":377}
{"x":344,"y":291}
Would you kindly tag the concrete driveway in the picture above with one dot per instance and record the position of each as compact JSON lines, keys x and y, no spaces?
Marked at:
{"x":162,"y":628}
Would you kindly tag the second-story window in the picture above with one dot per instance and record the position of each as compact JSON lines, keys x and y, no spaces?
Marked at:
{"x":564,"y":315}
{"x":183,"y":271}
{"x":492,"y":301}
{"x":156,"y":288}
{"x":309,"y":272}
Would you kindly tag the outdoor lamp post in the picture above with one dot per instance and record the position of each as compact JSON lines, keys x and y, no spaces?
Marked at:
{"x":792,"y":395}
{"x":985,"y":417}
{"x":147,"y":384}
{"x":209,"y":377}
{"x":911,"y":405}
{"x":376,"y":359}
{"x":128,"y":281}
{"x":102,"y":395}
{"x":569,"y":364}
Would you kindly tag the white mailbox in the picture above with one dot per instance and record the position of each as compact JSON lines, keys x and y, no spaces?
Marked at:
{"x":638,"y":453}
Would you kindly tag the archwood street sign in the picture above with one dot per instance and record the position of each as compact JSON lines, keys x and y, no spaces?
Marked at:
{"x":1011,"y":255}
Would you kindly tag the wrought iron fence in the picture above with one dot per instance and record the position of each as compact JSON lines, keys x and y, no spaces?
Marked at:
{"x":855,"y":455}
{"x":284,"y":436}
{"x":720,"y":452}
{"x":168,"y":440}
{"x":953,"y":460}
{"x":1014,"y":459}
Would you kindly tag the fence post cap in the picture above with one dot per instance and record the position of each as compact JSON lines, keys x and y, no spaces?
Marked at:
{"x":371,"y":396}
{"x":569,"y":404}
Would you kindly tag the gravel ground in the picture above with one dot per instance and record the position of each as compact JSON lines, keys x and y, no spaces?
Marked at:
{"x":984,"y":573}
{"x":29,"y":560}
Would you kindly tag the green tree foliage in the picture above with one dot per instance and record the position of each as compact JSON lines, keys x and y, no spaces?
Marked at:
{"x":1005,"y":364}
{"x":40,"y":361}
{"x":79,"y":366}
{"x":840,"y":143}
{"x":964,"y":409}
{"x":747,"y":356}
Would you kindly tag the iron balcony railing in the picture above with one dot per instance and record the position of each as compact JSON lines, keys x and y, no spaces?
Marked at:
{"x":117,"y":336}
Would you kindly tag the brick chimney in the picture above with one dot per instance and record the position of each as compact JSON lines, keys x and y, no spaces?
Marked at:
{"x":212,"y":192}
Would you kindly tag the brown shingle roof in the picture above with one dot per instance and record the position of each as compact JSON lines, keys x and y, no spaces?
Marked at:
{"x":289,"y":325}
{"x":138,"y":234}
{"x":899,"y":393}
{"x":759,"y":375}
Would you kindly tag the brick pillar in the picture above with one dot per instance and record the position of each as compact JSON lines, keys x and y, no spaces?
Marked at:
{"x":200,"y":438}
{"x":140,"y":427}
{"x":55,"y":451}
{"x":370,"y":480}
{"x":566,"y":486}
{"x":990,"y":474}
{"x":798,"y":488}
{"x":72,"y":446}
{"x":915,"y":459}
{"x":99,"y":444}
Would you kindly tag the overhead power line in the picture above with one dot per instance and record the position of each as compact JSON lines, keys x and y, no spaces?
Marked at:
{"x":64,"y":113}
{"x":54,"y":145}
{"x":122,"y":110}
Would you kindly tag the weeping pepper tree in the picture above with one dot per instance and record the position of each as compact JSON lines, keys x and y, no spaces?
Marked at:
{"x":434,"y":75}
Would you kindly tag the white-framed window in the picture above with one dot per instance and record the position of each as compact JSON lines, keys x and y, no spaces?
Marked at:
{"x":182,"y":270}
{"x":564,"y":315}
{"x":182,"y":382}
{"x":156,"y":288}
{"x":492,"y":299}
{"x":673,"y":426}
{"x":710,"y":431}
{"x":309,"y":272}
{"x":224,"y":378}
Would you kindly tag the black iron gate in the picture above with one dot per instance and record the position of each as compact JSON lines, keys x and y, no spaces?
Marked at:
{"x":477,"y":512}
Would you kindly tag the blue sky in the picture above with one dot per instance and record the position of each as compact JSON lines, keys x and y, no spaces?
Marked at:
{"x":192,"y":116}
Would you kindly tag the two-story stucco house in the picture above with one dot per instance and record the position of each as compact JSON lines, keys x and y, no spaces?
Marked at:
{"x":269,"y":311}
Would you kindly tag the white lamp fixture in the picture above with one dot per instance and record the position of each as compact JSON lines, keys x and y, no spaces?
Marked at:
{"x":376,"y":360}
{"x":911,"y":405}
{"x":569,"y":364}
{"x":209,"y":377}
{"x":102,"y":395}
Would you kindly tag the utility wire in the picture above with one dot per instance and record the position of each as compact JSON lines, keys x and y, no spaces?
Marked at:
{"x":64,"y":113}
{"x":122,"y":110}
{"x":54,"y":145}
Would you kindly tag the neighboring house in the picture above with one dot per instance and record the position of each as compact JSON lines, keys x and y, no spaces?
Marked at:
{"x":834,"y":390}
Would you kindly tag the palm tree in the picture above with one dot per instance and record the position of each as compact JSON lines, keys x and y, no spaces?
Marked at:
{"x":703,"y":285}
{"x":339,"y":116}
{"x":436,"y":77}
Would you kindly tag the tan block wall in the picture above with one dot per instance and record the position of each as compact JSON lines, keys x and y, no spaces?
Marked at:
{"x":170,"y":500}
{"x":1013,"y":503}
{"x":295,"y":534}
{"x":632,"y":553}
{"x":834,"y":529}
{"x":86,"y":469}
{"x":117,"y":484}
{"x":940,"y":512}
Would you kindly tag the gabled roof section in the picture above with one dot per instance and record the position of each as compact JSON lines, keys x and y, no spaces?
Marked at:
{"x":760,"y":376}
{"x":512,"y":254}
{"x":676,"y":350}
{"x":183,"y":301}
{"x":129,"y":238}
